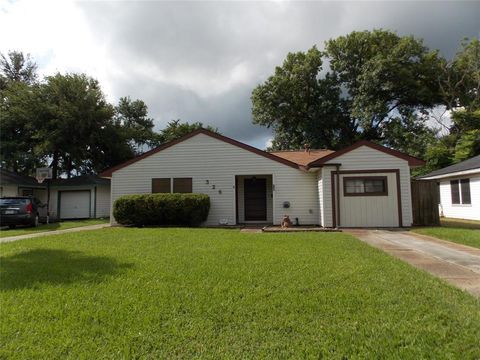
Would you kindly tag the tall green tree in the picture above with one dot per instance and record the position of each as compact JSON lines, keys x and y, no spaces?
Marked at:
{"x":301,"y":107}
{"x":73,"y":113}
{"x":65,"y":122}
{"x":17,"y":67}
{"x":460,"y":92}
{"x":131,"y":116}
{"x":384,"y":76}
{"x":19,"y":102}
{"x":375,"y":84}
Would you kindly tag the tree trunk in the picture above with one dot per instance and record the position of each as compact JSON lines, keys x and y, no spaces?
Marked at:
{"x":54,"y":164}
{"x":69,"y":167}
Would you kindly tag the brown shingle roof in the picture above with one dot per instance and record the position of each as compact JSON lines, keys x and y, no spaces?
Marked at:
{"x":301,"y":157}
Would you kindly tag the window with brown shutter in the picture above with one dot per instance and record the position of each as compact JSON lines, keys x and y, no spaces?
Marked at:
{"x":182,"y":185}
{"x":161,"y":185}
{"x":465,"y":188}
{"x":455,"y":192}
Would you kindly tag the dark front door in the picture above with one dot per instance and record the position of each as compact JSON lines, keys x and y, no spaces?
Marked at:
{"x":255,"y":192}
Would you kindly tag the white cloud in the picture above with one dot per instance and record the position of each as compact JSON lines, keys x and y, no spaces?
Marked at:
{"x":268,"y":143}
{"x":57,"y":36}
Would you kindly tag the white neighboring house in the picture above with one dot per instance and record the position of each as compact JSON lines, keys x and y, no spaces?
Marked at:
{"x":459,"y":189}
{"x":13,"y":184}
{"x":80,"y":197}
{"x":364,"y":185}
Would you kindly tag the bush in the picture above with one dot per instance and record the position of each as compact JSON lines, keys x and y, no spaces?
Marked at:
{"x":162,"y":209}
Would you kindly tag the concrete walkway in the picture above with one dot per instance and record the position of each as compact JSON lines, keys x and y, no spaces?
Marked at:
{"x":54,"y":232}
{"x":457,"y":264}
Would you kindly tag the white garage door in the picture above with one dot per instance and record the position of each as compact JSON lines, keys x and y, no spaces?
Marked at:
{"x":368,"y":200}
{"x":75,"y":204}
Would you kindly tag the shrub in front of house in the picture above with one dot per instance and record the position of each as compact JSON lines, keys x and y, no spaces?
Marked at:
{"x":162,"y":209}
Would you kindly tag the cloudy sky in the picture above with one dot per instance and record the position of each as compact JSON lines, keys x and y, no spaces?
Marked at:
{"x":199,"y":61}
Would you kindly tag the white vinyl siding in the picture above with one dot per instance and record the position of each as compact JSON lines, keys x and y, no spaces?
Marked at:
{"x":461,"y":211}
{"x":327,"y":209}
{"x":321,"y":198}
{"x":366,"y":158}
{"x":9,"y":190}
{"x":103,"y":201}
{"x":370,"y":211}
{"x":203,"y":158}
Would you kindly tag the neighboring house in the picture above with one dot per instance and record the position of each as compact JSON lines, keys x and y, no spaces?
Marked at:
{"x":459,"y":189}
{"x":364,"y":185}
{"x":13,"y":184}
{"x":80,"y":197}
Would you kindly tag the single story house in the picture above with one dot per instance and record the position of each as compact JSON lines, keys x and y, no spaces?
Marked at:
{"x":363,"y":185}
{"x":80,"y":197}
{"x":13,"y":184}
{"x":459,"y":186}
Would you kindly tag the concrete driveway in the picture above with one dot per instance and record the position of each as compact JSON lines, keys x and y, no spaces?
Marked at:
{"x":457,"y":264}
{"x":53,"y":232}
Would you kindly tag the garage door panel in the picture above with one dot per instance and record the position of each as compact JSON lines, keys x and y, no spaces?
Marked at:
{"x":75,"y":204}
{"x":370,"y":210}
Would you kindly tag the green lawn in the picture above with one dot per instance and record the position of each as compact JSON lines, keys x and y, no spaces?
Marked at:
{"x":186,"y":293}
{"x":51,"y":227}
{"x":466,"y":232}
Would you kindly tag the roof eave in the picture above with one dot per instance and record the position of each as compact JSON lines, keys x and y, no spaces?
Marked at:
{"x":452,"y":174}
{"x":412,"y":161}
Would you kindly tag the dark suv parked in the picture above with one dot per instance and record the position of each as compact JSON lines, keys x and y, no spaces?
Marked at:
{"x":21,"y":210}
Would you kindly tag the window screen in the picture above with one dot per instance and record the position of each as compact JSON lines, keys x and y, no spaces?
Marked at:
{"x":465,"y":187}
{"x":182,"y":185}
{"x":373,"y":186}
{"x":354,"y":186}
{"x":455,"y":192}
{"x":161,"y":185}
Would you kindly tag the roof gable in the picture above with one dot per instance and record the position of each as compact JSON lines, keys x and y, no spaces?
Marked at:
{"x":110,"y":171}
{"x":412,"y":161}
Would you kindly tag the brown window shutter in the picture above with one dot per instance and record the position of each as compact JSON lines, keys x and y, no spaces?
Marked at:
{"x":182,"y":185}
{"x":455,"y":192}
{"x":161,"y":185}
{"x":465,"y":188}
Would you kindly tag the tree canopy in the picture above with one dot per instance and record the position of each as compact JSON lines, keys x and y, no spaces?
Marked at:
{"x":176,"y":129}
{"x":66,"y":123}
{"x":373,"y":85}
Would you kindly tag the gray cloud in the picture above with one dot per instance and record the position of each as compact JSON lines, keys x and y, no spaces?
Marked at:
{"x":199,"y":61}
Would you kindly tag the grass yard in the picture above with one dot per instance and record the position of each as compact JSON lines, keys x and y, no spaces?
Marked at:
{"x":466,"y":232}
{"x":51,"y":227}
{"x":184,"y":293}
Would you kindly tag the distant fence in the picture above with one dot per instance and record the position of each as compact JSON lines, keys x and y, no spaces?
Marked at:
{"x":425,"y":199}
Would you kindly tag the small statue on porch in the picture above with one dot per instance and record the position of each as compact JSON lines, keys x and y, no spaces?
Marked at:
{"x":286,"y":222}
